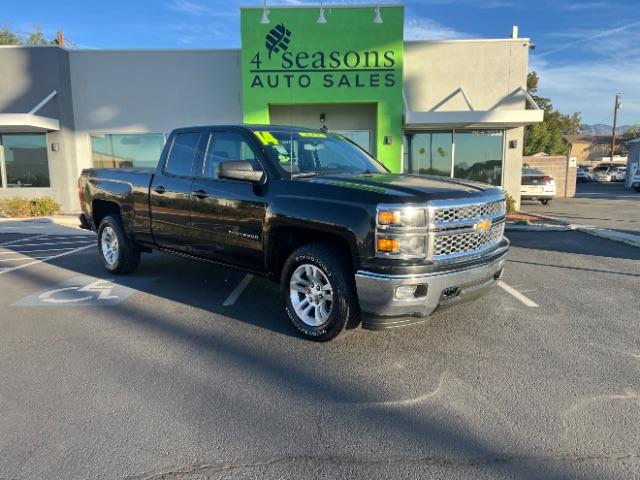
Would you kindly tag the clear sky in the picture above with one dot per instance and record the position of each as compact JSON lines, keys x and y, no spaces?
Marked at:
{"x":586,"y":51}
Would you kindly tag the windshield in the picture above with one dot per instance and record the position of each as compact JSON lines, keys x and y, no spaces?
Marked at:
{"x":311,"y":153}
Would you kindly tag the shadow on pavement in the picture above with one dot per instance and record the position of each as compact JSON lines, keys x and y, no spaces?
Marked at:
{"x":573,"y":242}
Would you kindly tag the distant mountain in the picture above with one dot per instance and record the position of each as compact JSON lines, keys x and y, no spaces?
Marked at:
{"x":602,"y":129}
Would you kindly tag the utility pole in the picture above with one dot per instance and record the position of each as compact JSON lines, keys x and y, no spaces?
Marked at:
{"x":616,"y":107}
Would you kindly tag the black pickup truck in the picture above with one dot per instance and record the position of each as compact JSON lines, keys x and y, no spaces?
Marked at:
{"x":348,"y":241}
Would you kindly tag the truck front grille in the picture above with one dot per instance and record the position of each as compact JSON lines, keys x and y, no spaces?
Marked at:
{"x":470,"y":212}
{"x":457,"y":243}
{"x":465,"y":228}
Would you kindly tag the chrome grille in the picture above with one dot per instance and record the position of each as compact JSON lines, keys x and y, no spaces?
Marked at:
{"x":455,"y":227}
{"x":446,"y":245}
{"x":470,"y":212}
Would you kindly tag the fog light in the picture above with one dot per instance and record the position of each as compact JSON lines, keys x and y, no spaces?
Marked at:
{"x":406,"y":291}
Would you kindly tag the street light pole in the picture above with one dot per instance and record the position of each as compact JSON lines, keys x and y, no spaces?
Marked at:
{"x":616,"y":107}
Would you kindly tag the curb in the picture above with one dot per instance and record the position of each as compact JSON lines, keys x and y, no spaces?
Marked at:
{"x":614,"y":235}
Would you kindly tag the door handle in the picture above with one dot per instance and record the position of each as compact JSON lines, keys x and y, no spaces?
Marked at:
{"x":160,"y":189}
{"x":200,"y":194}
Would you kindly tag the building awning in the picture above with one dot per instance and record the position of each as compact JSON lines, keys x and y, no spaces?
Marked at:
{"x":495,"y":117}
{"x":472,"y":119}
{"x":27,"y":122}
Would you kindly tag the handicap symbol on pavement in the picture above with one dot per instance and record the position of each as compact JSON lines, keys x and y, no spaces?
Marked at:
{"x":86,"y":290}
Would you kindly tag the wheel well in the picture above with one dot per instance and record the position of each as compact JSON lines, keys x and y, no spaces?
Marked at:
{"x":288,"y":239}
{"x":102,"y":208}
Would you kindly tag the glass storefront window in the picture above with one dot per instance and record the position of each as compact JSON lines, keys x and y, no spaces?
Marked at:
{"x":431,"y":153}
{"x":479,"y":155}
{"x":474,"y":154}
{"x":126,"y":150}
{"x":25,"y":160}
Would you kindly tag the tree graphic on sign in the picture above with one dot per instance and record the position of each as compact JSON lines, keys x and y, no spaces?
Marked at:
{"x":278,"y":39}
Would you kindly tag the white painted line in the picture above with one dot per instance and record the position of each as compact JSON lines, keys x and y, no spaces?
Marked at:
{"x":7,"y":270}
{"x":233,"y":296}
{"x":31,"y":237}
{"x":21,"y":259}
{"x":512,"y":291}
{"x":48,"y":243}
{"x":42,"y":249}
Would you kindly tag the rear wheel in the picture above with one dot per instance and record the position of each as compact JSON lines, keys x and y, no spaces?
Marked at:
{"x":118,"y":254}
{"x":545,"y":201}
{"x":318,"y":292}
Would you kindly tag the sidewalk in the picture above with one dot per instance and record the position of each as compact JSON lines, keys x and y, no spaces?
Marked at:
{"x":54,"y":225}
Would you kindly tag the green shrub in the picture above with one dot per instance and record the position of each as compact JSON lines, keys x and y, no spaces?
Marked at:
{"x":23,"y":207}
{"x":511,"y":203}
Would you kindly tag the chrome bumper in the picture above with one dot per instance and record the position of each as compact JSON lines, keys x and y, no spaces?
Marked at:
{"x":381,"y":308}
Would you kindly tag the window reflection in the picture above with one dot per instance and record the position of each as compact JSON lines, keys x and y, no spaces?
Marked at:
{"x":126,"y":150}
{"x":25,"y":158}
{"x":431,"y":153}
{"x":479,"y":155}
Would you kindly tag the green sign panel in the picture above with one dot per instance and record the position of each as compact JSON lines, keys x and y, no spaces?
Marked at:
{"x":294,"y":60}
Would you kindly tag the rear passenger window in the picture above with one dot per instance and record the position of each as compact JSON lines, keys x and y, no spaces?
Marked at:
{"x":224,"y":146}
{"x":183,"y":154}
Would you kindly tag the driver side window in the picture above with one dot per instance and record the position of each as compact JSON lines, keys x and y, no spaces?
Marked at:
{"x":223,"y":146}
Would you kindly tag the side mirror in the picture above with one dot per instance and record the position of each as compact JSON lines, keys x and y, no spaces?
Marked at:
{"x":239,"y":170}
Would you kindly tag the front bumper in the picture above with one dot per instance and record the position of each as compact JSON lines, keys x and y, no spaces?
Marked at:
{"x":381,"y":309}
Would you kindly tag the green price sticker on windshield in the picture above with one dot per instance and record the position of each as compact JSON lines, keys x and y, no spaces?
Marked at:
{"x":312,"y":135}
{"x":266,"y":138}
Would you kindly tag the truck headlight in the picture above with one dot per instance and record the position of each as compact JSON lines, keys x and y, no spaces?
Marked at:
{"x":402,"y":216}
{"x":401,"y":231}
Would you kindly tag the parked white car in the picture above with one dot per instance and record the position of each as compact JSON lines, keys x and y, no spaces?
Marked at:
{"x":583,"y":175}
{"x":618,"y":174}
{"x":602,"y":173}
{"x":537,"y":185}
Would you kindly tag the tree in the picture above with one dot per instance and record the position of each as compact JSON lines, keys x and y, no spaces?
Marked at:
{"x":632,"y":132}
{"x":9,"y":38}
{"x":548,"y":135}
{"x":35,"y":38}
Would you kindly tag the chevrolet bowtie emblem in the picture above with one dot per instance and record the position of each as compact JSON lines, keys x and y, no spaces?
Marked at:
{"x":484,"y":225}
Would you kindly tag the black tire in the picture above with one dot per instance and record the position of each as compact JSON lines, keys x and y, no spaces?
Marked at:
{"x":637,"y":189}
{"x":127,"y":258}
{"x":344,"y":307}
{"x":545,"y":201}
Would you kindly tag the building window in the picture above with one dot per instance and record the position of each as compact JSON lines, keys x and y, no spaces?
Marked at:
{"x":24,"y":160}
{"x":129,"y":150}
{"x":478,"y":155}
{"x":431,"y":153}
{"x":470,"y":154}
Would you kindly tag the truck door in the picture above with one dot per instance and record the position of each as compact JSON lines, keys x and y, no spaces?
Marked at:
{"x":170,"y":192}
{"x":227,"y":216}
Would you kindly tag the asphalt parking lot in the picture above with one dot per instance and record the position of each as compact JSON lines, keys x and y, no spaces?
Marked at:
{"x":607,"y":205}
{"x":185,"y":370}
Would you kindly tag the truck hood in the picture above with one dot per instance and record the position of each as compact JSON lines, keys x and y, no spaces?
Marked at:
{"x":407,"y":187}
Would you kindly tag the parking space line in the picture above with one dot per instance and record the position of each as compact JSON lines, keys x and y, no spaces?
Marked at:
{"x":69,"y":252}
{"x":30,"y":237}
{"x":48,"y":243}
{"x":41,"y":250}
{"x":235,"y":294}
{"x":18,"y":259}
{"x":515,"y":293}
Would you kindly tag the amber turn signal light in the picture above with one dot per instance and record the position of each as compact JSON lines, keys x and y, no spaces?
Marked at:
{"x":388,"y":245}
{"x":389,"y":217}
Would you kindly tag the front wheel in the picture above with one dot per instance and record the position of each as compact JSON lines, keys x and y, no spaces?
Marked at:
{"x":118,"y":254}
{"x":545,"y":201}
{"x":318,"y":292}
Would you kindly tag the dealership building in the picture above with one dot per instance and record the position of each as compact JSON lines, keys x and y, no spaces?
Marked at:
{"x":455,"y":108}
